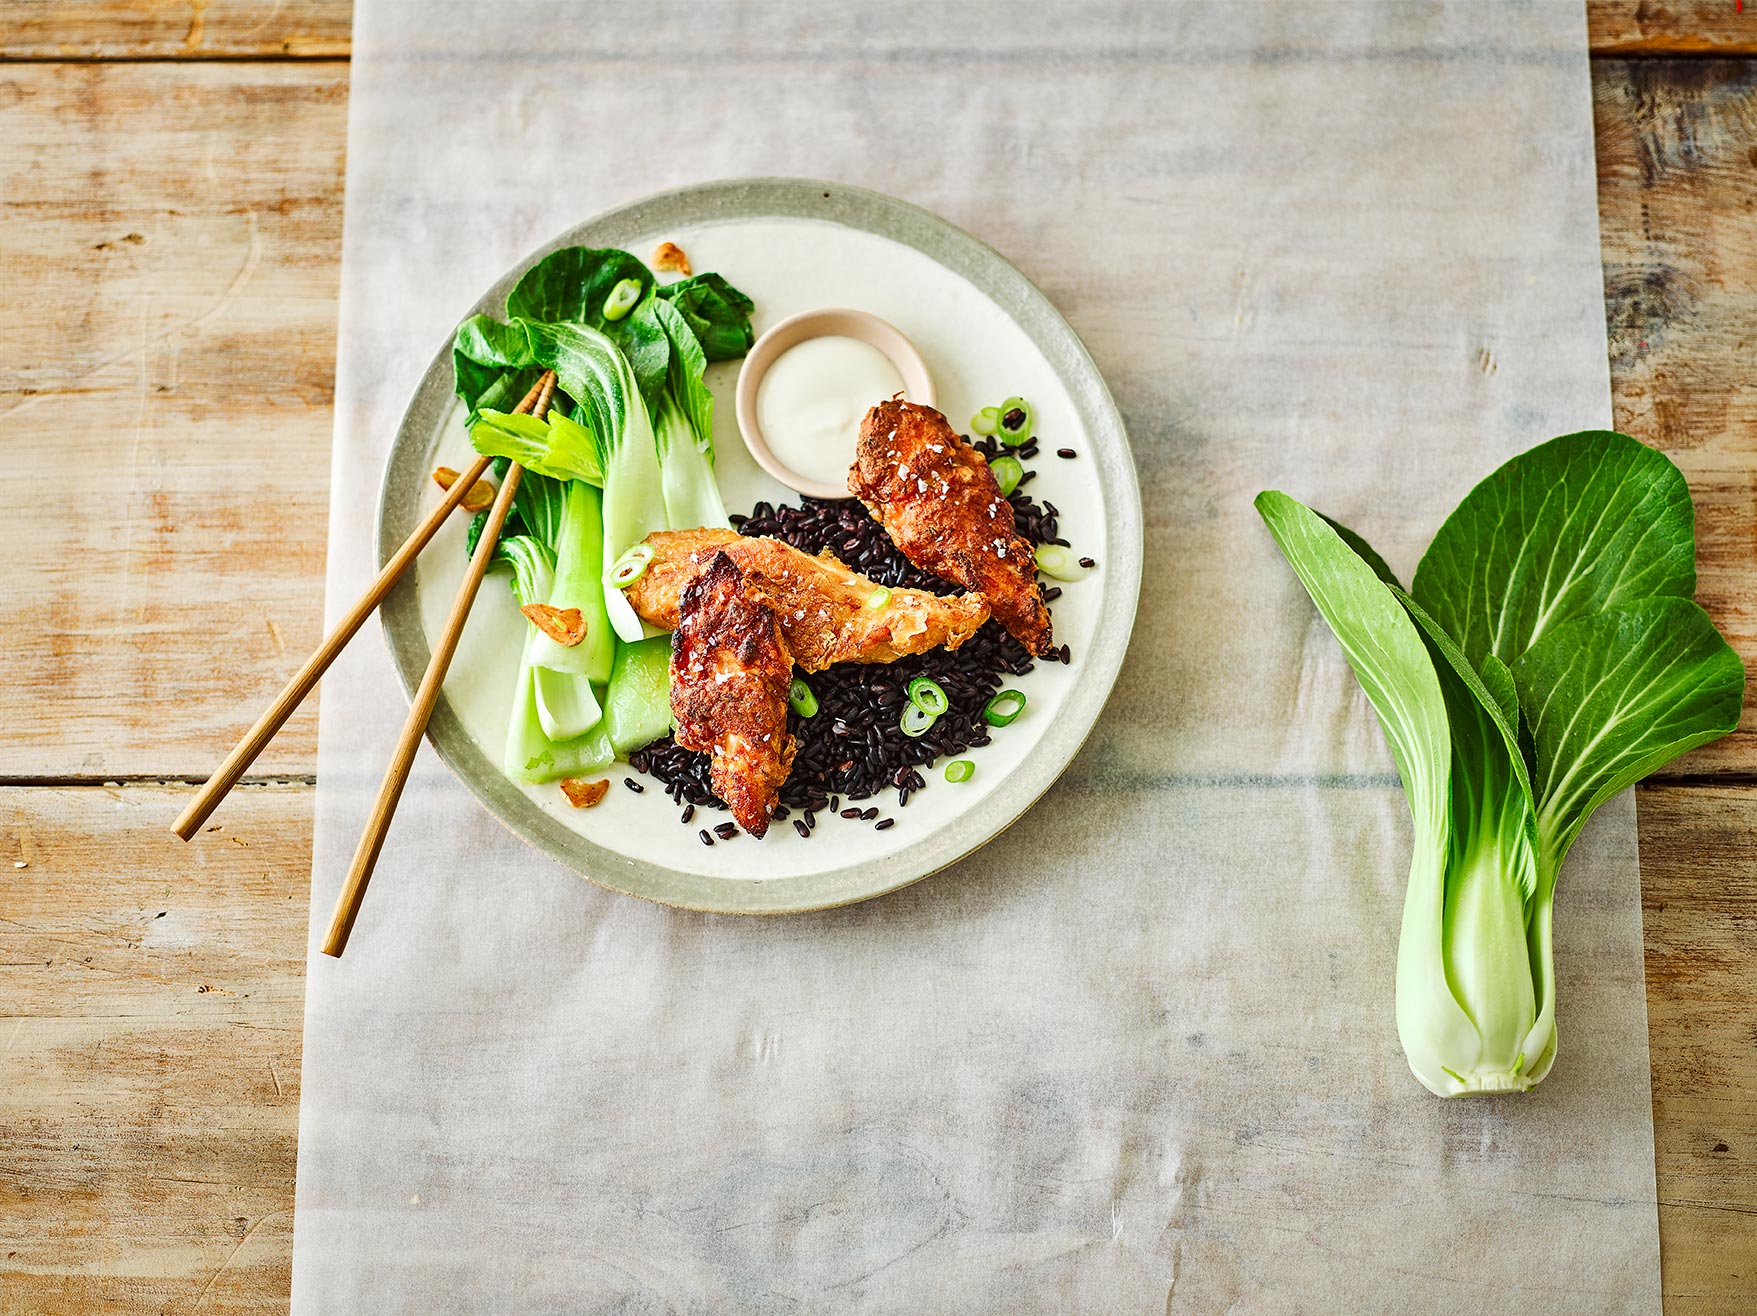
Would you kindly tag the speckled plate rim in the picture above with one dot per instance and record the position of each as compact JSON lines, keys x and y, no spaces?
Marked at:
{"x":406,"y":483}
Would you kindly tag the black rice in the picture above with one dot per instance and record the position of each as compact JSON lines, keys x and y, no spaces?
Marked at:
{"x":855,"y":746}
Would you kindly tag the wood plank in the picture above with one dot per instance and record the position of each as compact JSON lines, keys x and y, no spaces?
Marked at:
{"x":174,"y":29}
{"x":1699,"y":906}
{"x":1677,"y":167}
{"x":175,"y":233}
{"x":1684,"y":27}
{"x":149,"y":1046}
{"x":208,"y":29}
{"x":167,"y":280}
{"x":149,"y":1050}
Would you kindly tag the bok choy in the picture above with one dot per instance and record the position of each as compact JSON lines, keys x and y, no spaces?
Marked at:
{"x":1547,"y":656}
{"x":555,"y":728}
{"x":628,"y":450}
{"x":635,"y":380}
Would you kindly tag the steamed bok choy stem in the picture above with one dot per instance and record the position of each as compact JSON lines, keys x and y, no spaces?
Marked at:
{"x":579,"y":583}
{"x":684,"y":429}
{"x":533,"y":751}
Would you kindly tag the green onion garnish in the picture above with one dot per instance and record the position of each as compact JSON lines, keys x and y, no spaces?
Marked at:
{"x":986,"y":420}
{"x":631,"y":566}
{"x":878,"y":598}
{"x":928,"y":695}
{"x":960,"y":770}
{"x":801,"y":699}
{"x":622,"y":299}
{"x":1015,"y":422}
{"x":1003,"y":708}
{"x":1054,"y":560}
{"x":1007,"y":473}
{"x":916,"y":720}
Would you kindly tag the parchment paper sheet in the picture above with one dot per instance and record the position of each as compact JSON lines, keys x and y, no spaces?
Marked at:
{"x":1138,"y":1055}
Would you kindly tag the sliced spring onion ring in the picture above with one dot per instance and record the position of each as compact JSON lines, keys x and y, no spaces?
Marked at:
{"x":1014,"y":426}
{"x":985,"y":421}
{"x":1007,"y":472}
{"x":623,"y":298}
{"x":960,"y":770}
{"x":1054,"y":560}
{"x":801,"y":699}
{"x":878,"y":598}
{"x":1003,"y":708}
{"x":631,"y":566}
{"x":916,"y":720}
{"x":928,"y":695}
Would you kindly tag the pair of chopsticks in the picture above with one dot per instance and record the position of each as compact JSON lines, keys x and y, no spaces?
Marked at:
{"x":207,"y":799}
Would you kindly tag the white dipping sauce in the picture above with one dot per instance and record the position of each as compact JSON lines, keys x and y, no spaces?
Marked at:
{"x":813,"y":397}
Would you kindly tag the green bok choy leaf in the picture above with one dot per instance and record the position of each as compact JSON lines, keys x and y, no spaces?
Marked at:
{"x":1547,"y":657}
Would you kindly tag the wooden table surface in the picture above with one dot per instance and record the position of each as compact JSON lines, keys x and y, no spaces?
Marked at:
{"x":171,"y":188}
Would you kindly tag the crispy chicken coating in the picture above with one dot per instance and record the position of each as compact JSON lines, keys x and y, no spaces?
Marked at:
{"x":939,"y":502}
{"x":821,"y":603}
{"x":729,"y":675}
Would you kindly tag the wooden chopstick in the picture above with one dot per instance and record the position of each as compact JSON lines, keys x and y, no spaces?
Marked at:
{"x":207,"y":799}
{"x":396,"y":776}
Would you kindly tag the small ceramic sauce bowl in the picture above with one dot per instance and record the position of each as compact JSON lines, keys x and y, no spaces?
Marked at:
{"x":828,"y":321}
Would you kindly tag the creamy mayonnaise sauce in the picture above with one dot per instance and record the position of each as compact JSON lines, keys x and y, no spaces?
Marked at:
{"x":813,"y":397}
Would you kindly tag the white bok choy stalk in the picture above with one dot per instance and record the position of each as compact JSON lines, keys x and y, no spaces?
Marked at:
{"x":1548,"y":656}
{"x":563,"y":466}
{"x":593,"y":371}
{"x":684,"y":427}
{"x":532,"y":752}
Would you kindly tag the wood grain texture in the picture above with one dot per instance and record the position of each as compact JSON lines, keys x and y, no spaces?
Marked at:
{"x":150,"y":1019}
{"x":209,"y":29}
{"x":174,"y":231}
{"x":1699,"y":906}
{"x":149,"y":1047}
{"x":1688,"y":27}
{"x":1677,"y":164}
{"x":174,"y":29}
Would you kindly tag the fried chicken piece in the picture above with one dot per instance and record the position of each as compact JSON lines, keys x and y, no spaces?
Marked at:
{"x":821,"y":603}
{"x":939,"y":502}
{"x":730,"y":670}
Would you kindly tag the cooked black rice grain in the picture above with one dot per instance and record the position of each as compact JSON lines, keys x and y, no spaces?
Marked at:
{"x":726,"y":831}
{"x":1065,"y":452}
{"x":800,"y":827}
{"x":633,"y":785}
{"x":1088,"y":563}
{"x":855,"y":746}
{"x":884,"y":823}
{"x":688,"y":813}
{"x":706,"y":839}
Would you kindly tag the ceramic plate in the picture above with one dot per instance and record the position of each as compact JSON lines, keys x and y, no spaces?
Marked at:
{"x":986,"y":333}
